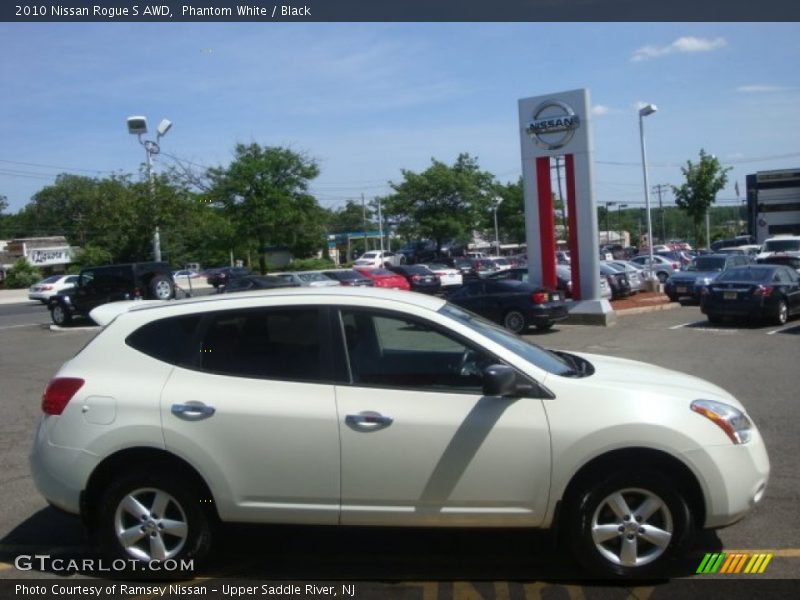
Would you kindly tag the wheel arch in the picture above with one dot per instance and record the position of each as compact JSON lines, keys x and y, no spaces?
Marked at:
{"x":143,"y":458}
{"x":631,"y":459}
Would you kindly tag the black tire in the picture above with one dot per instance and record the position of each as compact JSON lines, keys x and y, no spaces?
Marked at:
{"x":545,"y":326}
{"x":60,"y":315}
{"x":673,"y":298}
{"x":610,"y":539}
{"x":514,"y":320}
{"x":662,"y":277}
{"x":781,"y":313}
{"x":183,"y":531}
{"x":714,"y":318}
{"x":161,"y":288}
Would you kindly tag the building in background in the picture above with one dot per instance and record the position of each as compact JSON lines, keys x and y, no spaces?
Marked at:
{"x":773,"y":203}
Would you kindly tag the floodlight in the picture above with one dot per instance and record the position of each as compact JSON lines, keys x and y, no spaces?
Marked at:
{"x":137,"y":125}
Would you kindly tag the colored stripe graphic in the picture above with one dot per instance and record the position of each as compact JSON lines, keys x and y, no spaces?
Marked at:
{"x":734,"y":563}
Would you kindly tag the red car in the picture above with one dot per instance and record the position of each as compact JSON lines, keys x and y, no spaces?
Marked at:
{"x":384,"y":278}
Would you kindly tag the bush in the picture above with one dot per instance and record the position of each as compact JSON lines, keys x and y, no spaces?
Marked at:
{"x":22,"y":275}
{"x":311,"y":264}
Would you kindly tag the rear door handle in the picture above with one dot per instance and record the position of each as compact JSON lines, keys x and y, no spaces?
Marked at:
{"x":193,"y":410}
{"x":368,"y":421}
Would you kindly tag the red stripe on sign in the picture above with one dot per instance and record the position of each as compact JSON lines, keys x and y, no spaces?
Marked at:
{"x":547,"y":224}
{"x":572,"y":221}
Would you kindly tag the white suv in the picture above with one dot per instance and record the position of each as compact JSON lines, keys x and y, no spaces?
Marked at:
{"x":377,"y":407}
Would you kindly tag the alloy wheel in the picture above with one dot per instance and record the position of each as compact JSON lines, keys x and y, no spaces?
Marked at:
{"x":150,"y":524}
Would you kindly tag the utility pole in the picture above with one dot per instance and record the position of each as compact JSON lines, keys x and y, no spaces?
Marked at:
{"x":364,"y":209}
{"x":657,"y":189}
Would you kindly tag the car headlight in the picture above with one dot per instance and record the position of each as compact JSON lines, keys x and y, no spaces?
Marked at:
{"x":730,"y":419}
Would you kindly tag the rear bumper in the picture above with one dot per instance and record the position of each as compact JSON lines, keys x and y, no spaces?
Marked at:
{"x":547,"y":313}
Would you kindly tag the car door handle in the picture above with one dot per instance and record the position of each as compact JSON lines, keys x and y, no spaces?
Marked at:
{"x":368,"y":421}
{"x":193,"y":411}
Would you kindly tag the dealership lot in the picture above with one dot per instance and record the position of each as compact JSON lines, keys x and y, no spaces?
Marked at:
{"x":755,"y":363}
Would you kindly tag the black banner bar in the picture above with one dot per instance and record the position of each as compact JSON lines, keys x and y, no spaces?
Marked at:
{"x":400,"y":10}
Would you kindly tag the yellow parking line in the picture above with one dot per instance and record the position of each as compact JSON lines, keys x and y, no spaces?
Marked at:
{"x":6,"y":566}
{"x":782,"y":552}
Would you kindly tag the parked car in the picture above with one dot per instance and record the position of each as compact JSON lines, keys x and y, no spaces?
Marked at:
{"x":678,"y":258}
{"x":661,"y":267}
{"x":111,"y":283}
{"x":751,"y":250}
{"x":501,"y":262}
{"x":700,"y":272}
{"x":174,"y":418}
{"x":762,"y":292}
{"x":255,"y":282}
{"x":186,"y":274}
{"x":449,"y":277}
{"x":221,"y":276}
{"x":513,"y":304}
{"x":421,"y":279}
{"x":464,"y":265}
{"x":740,"y":240}
{"x":781,"y":244}
{"x":617,"y":281}
{"x":307,"y":279}
{"x":419,"y":252}
{"x":384,"y":278}
{"x":349,"y":277}
{"x":633,"y":273}
{"x":379,"y":258}
{"x":782,"y":259}
{"x":483,"y":266}
{"x":49,"y":286}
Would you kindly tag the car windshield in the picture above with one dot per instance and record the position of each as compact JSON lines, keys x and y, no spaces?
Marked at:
{"x":745,"y":274}
{"x":536,"y":355}
{"x":52,"y":279}
{"x":782,"y":246}
{"x":707,"y":263}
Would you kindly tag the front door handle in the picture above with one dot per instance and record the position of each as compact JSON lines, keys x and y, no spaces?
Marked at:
{"x":193,"y":410}
{"x":368,"y":421}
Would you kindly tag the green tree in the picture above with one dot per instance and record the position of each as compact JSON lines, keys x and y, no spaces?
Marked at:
{"x":264,"y":192}
{"x":703,"y":180}
{"x":511,"y":213}
{"x":442,"y":202}
{"x":23,"y":274}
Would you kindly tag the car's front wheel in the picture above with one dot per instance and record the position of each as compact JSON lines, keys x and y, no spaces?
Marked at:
{"x":60,"y":315}
{"x":629,"y":525}
{"x":153,"y":516}
{"x":781,"y":313}
{"x":161,"y":288}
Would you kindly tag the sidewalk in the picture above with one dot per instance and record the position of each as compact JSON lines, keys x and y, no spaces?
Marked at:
{"x":642,"y":302}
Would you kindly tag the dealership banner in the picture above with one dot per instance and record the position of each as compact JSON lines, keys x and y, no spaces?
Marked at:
{"x":407,"y":10}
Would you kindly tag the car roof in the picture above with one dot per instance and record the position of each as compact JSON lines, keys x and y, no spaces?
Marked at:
{"x":106,"y":313}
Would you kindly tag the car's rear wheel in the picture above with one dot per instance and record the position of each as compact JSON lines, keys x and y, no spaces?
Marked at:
{"x":628,"y":525}
{"x":60,"y":315}
{"x":515,"y":321}
{"x":153,"y":516}
{"x":161,"y":288}
{"x":545,"y":326}
{"x":714,"y":318}
{"x":781,"y":313}
{"x":662,"y":277}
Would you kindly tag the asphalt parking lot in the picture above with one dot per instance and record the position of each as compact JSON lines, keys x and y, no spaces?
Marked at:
{"x":758,"y":364}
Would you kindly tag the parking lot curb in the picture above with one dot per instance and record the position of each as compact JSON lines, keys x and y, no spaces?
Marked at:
{"x":79,"y":328}
{"x":646,"y":309}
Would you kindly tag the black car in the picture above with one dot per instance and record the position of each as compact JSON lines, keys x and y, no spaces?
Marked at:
{"x":788,"y":260}
{"x":219,"y":277}
{"x":110,"y":283}
{"x":700,"y":272}
{"x":756,"y":291}
{"x":563,"y":277}
{"x":421,"y":279}
{"x":254,"y":282}
{"x":349,"y":277}
{"x":617,"y":281}
{"x":513,"y":304}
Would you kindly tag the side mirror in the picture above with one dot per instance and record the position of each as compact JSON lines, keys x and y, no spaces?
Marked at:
{"x":499,"y":380}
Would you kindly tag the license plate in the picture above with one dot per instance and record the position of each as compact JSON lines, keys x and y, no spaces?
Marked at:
{"x":681,"y":289}
{"x":729,"y":295}
{"x":555,"y":297}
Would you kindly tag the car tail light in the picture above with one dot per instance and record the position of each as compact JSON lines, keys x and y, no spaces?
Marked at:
{"x":416,"y":277}
{"x":58,"y":394}
{"x":676,"y":265}
{"x":136,"y":294}
{"x":539,"y":297}
{"x":763,"y":290}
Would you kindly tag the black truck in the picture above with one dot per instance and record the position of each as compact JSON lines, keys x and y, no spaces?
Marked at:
{"x":110,"y":283}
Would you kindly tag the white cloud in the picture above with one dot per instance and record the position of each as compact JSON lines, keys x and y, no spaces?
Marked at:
{"x":759,"y":89}
{"x":684,"y":45}
{"x":599,"y":110}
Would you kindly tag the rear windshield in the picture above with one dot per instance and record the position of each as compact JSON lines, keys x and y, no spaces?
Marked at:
{"x":746,"y":274}
{"x":707,"y":263}
{"x":782,"y":246}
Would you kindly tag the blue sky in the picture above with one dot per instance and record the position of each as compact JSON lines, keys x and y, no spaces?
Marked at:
{"x":367,"y":100}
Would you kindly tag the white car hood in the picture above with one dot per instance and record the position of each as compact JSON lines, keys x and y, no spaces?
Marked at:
{"x":631,"y":375}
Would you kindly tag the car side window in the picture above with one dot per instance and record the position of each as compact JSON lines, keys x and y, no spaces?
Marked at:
{"x":401,"y":352}
{"x":279,"y":343}
{"x":168,"y":340}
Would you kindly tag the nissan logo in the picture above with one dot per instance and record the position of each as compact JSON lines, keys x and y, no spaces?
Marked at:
{"x":554,"y":123}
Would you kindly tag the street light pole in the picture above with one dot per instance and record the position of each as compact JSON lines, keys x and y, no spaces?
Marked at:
{"x":645,"y":111}
{"x":608,"y":232}
{"x":138,"y":126}
{"x":497,"y":202}
{"x":619,"y":221}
